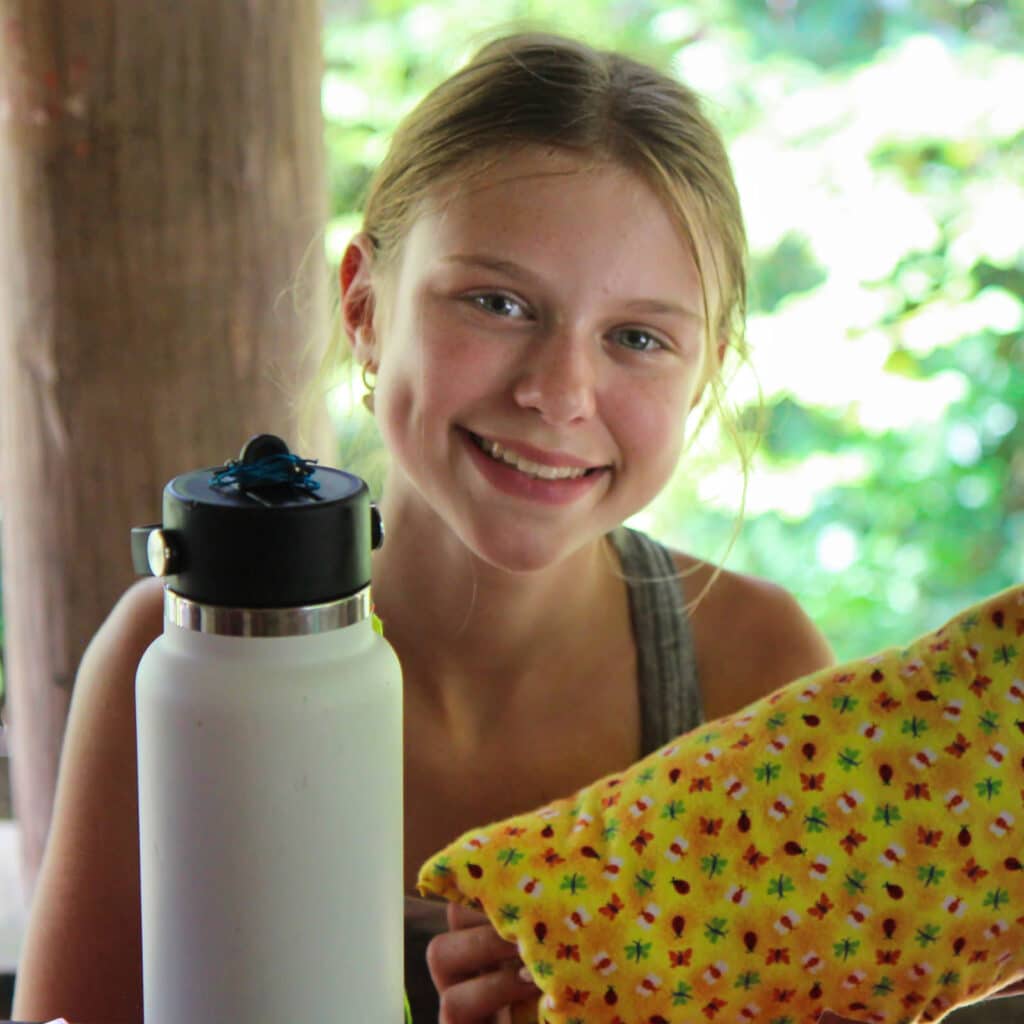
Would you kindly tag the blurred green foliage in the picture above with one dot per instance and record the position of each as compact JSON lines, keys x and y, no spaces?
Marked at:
{"x":878,"y":150}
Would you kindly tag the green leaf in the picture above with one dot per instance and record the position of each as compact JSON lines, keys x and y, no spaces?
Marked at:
{"x":713,"y":865}
{"x":573,"y":883}
{"x":854,"y":882}
{"x":816,"y":820}
{"x":673,"y":810}
{"x":988,"y":722}
{"x":887,"y":814}
{"x":913,"y":726}
{"x":780,"y":886}
{"x":904,"y":364}
{"x":681,"y":994}
{"x":996,"y":899}
{"x":849,"y":759}
{"x":988,"y":788}
{"x":767,"y":772}
{"x":1005,"y":654}
{"x":509,"y":913}
{"x":643,"y":880}
{"x":638,"y":950}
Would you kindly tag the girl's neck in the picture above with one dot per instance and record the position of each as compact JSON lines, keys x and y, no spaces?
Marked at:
{"x":472,"y":637}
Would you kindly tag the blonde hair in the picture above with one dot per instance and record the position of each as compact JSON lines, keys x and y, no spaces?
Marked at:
{"x":543,"y":89}
{"x":548,"y":90}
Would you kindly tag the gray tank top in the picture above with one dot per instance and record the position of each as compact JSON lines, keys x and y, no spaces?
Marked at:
{"x":670,"y":701}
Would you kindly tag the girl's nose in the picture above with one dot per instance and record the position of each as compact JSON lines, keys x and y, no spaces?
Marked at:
{"x":560,"y":378}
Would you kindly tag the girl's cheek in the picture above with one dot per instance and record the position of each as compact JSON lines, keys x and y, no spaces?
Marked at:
{"x":394,"y":412}
{"x":651,"y":414}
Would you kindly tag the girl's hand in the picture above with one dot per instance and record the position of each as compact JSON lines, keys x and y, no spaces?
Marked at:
{"x":475,"y":971}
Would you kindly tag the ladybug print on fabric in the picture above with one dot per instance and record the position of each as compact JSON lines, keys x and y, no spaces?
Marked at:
{"x":854,"y":841}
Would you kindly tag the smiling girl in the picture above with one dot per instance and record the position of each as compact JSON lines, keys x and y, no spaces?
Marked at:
{"x":549,"y":279}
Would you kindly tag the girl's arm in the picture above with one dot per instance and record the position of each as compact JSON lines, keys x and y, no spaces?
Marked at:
{"x":784,"y":642}
{"x":759,"y":639}
{"x":82,"y":957}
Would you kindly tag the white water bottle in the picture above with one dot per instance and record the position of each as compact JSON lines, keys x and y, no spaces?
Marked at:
{"x":269,"y":719}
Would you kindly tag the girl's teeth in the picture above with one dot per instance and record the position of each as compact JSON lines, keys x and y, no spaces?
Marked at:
{"x":534,"y":469}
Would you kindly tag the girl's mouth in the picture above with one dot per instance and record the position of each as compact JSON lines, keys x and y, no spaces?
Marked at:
{"x":529,"y":468}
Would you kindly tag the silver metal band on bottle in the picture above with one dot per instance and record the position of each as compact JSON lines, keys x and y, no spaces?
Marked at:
{"x":302,"y":621}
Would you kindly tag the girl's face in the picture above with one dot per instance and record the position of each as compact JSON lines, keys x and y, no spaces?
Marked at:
{"x":544,"y":345}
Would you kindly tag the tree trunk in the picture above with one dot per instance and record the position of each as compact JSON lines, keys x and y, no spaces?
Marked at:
{"x":161,"y":187}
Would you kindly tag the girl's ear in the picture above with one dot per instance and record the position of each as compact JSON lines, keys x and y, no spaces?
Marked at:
{"x":723,"y":345}
{"x":358,"y":299}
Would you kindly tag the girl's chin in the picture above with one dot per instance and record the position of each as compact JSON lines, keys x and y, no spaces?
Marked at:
{"x":523,"y":547}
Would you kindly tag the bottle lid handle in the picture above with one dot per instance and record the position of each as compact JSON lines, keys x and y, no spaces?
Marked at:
{"x":154,"y":551}
{"x":140,"y":546}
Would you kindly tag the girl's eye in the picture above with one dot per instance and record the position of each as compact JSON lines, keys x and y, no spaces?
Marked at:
{"x":638,"y":340}
{"x":499,"y":304}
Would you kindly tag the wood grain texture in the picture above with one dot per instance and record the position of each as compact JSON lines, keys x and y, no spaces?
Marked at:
{"x":161,"y":200}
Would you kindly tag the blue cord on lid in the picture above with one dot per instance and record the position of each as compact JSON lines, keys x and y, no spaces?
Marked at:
{"x":273,"y":469}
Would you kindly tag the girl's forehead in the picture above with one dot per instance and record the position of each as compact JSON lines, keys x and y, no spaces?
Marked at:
{"x":533,"y":191}
{"x":528,"y":170}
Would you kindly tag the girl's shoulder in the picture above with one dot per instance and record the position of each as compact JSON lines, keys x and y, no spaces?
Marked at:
{"x":751,"y":636}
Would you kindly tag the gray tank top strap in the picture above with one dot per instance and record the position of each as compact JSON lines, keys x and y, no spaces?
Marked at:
{"x":670,"y":701}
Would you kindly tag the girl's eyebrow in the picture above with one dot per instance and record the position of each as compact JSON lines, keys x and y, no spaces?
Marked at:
{"x":656,"y":307}
{"x":502,"y":266}
{"x":659,"y":306}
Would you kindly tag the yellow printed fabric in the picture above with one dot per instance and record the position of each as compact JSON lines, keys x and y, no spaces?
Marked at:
{"x":852,"y":842}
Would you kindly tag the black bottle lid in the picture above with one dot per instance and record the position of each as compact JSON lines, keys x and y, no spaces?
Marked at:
{"x":269,"y":530}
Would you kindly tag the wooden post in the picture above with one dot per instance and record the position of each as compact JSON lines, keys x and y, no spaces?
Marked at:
{"x":161,"y":188}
